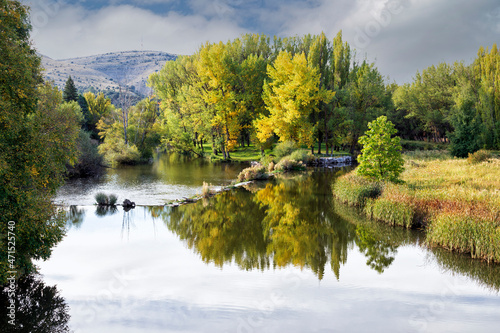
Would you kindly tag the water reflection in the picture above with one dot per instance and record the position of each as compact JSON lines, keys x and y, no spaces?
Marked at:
{"x":291,"y":221}
{"x":39,"y":308}
{"x":169,"y":177}
{"x":487,"y":275}
{"x":275,"y":256}
{"x":76,"y":216}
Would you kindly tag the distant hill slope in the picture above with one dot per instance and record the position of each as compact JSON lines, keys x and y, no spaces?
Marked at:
{"x":105,"y":72}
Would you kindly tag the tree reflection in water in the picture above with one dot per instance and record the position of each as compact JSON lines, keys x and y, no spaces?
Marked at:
{"x":291,"y":221}
{"x":39,"y":308}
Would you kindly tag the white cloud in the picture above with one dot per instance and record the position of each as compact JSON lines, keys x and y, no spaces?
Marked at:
{"x":75,"y":31}
{"x":402,"y":35}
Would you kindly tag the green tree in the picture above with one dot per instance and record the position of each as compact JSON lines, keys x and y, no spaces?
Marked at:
{"x":466,"y":138}
{"x":144,"y":126}
{"x":367,"y":98}
{"x":37,"y":140}
{"x":381,"y":154}
{"x":429,"y":99}
{"x":487,"y":76}
{"x":70,"y":93}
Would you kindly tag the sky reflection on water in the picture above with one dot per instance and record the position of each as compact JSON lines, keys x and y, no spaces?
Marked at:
{"x":141,"y":271}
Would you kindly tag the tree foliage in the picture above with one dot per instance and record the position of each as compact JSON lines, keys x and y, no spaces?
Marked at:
{"x":37,"y":139}
{"x":291,"y":96}
{"x":381,"y":154}
{"x":229,"y":94}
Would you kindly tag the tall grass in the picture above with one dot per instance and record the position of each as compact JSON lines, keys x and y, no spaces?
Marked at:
{"x":355,"y":190}
{"x":206,"y":190}
{"x":466,"y":233}
{"x":103,"y":199}
{"x":458,"y":202}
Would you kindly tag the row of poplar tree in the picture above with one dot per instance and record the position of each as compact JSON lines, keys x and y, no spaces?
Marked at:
{"x":312,"y":90}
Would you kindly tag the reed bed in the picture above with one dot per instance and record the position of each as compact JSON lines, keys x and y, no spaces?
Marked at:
{"x":457,"y":201}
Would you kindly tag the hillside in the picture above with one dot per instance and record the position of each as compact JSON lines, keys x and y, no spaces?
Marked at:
{"x":106,"y":71}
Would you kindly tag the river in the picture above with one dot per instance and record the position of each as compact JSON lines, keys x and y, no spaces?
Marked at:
{"x":277,"y":256}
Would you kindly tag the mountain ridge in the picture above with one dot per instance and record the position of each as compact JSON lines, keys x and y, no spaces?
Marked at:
{"x":128,"y":70}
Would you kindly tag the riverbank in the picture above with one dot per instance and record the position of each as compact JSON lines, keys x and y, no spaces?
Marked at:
{"x":455,"y":201}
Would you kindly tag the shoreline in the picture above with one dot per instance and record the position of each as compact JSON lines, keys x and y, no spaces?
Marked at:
{"x":456,"y":210}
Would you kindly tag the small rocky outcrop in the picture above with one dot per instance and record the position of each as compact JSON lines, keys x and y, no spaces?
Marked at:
{"x":127,"y":204}
{"x":329,"y":162}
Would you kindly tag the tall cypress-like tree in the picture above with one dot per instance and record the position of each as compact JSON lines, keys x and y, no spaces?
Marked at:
{"x":70,"y":92}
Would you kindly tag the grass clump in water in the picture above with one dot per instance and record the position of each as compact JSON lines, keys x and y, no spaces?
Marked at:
{"x":112,"y":199}
{"x":103,"y":199}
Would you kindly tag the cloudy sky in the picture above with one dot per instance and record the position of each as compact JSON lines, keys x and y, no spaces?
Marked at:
{"x":401,"y":36}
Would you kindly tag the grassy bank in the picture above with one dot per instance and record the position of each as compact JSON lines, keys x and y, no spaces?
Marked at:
{"x":457,"y":202}
{"x":252,"y":153}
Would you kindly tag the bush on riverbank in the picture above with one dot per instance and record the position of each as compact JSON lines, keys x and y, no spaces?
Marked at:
{"x":479,"y":156}
{"x":118,"y":153}
{"x":257,"y":172}
{"x":289,"y":164}
{"x":457,"y":202}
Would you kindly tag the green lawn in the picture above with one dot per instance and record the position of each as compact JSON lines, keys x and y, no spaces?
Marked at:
{"x":251,"y":153}
{"x":241,"y":154}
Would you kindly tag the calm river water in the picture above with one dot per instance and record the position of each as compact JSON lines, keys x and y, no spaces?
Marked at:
{"x":277,"y":256}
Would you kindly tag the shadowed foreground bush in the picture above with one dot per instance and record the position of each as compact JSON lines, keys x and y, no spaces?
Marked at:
{"x":355,"y":190}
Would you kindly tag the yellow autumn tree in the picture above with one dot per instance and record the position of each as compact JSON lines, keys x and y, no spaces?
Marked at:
{"x":218,"y":69}
{"x":291,"y":95}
